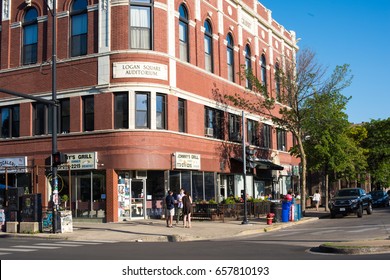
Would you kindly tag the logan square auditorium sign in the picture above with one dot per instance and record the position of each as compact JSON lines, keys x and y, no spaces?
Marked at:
{"x":136,"y":69}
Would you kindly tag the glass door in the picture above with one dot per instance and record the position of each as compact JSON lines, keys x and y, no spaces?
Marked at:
{"x":137,"y":199}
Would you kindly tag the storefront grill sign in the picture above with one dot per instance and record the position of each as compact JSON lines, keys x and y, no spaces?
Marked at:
{"x":13,"y":165}
{"x":81,"y":161}
{"x":187,"y":161}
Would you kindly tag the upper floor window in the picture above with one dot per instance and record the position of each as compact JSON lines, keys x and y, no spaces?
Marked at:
{"x":252,"y":127}
{"x":230,"y":57}
{"x":182,"y":115}
{"x":30,"y":36}
{"x":277,"y":82}
{"x":161,"y":111}
{"x":248,"y":66}
{"x":9,"y":121}
{"x":64,"y":116}
{"x":263,"y":71}
{"x":79,"y":27}
{"x":183,"y":33}
{"x":208,"y":47}
{"x":121,"y":110}
{"x":88,"y":113}
{"x":281,"y":139}
{"x":142,"y":110}
{"x":214,"y":123}
{"x":140,"y":24}
{"x":41,"y":119}
{"x":266,"y":136}
{"x":234,"y":128}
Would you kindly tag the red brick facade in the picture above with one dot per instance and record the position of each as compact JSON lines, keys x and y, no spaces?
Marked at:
{"x":88,"y":75}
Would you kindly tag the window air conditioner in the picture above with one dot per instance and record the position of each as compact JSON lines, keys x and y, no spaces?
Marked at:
{"x":209,"y":131}
{"x":141,"y":174}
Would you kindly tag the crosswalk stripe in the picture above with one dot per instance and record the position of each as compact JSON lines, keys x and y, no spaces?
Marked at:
{"x":4,"y":254}
{"x":78,"y":242}
{"x":58,"y":244}
{"x":362,"y":230}
{"x":323,"y":232}
{"x":104,"y":241}
{"x":17,"y":250}
{"x":35,"y":247}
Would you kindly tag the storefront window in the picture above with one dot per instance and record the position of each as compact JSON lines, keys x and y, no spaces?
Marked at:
{"x":209,"y":185}
{"x":197,"y":186}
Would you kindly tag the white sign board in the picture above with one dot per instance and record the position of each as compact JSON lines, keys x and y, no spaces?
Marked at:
{"x":187,"y":161}
{"x":13,"y":165}
{"x":81,"y":161}
{"x":136,"y":69}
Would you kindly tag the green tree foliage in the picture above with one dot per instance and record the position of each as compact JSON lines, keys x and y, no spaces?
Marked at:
{"x":378,"y":145}
{"x":299,"y":82}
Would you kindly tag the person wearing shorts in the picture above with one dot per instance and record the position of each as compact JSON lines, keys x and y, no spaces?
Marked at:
{"x":170,"y":208}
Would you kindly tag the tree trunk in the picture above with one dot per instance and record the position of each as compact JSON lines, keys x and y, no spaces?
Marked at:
{"x":326,"y":192}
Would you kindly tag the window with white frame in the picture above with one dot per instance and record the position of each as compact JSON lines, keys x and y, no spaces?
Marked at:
{"x":79,"y":28}
{"x":140,"y":24}
{"x":30,"y":36}
{"x":208,"y":47}
{"x":183,"y":33}
{"x":230,"y":57}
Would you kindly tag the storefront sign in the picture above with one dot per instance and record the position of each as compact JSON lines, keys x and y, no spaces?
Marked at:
{"x":135,"y":69}
{"x":187,"y":161}
{"x":13,"y":165}
{"x":80,"y":161}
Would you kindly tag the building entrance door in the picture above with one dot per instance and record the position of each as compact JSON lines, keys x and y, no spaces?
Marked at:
{"x":137,"y":198}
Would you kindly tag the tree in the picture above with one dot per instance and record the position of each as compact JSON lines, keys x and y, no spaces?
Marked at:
{"x":334,"y":145}
{"x":298,"y":81}
{"x":378,"y":145}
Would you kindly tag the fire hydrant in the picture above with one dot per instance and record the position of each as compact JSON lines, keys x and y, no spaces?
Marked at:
{"x":270,"y":217}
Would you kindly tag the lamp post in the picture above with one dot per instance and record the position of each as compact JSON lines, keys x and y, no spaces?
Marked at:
{"x":245,"y":220}
{"x":54,"y":112}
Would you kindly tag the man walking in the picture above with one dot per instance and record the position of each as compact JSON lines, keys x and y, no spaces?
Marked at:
{"x":170,"y":208}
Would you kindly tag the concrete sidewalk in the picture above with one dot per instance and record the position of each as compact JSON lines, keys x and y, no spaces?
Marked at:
{"x":156,"y":231}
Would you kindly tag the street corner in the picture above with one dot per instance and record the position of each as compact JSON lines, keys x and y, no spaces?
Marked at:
{"x":360,"y":247}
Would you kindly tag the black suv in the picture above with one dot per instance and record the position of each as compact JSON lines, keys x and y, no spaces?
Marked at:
{"x":348,"y":201}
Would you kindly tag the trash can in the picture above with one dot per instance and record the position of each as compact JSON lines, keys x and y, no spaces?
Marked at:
{"x":285,"y":211}
{"x":297,"y":211}
{"x":276,"y":208}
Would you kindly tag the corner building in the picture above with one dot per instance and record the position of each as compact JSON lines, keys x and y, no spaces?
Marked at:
{"x":137,"y":87}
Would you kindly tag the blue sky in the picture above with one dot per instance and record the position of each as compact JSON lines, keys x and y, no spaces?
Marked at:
{"x":354,"y":32}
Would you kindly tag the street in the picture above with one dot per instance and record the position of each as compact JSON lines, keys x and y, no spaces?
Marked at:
{"x":294,"y":243}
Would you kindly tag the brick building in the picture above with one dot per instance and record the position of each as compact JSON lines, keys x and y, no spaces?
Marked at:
{"x":137,"y":114}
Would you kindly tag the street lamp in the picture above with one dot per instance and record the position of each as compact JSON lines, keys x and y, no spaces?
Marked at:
{"x":245,"y":220}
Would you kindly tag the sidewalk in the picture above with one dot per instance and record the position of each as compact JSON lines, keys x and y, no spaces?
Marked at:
{"x":156,"y":231}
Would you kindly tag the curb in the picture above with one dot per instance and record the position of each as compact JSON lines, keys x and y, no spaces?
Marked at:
{"x":354,"y":250}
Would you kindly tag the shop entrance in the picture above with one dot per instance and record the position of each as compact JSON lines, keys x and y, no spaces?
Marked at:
{"x":131,"y":199}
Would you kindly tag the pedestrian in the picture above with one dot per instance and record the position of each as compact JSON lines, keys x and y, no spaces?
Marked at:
{"x":187,"y":209}
{"x":179,"y":206}
{"x":170,"y":208}
{"x":317,"y":199}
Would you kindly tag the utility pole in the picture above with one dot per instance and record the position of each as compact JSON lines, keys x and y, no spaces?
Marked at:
{"x":245,"y":220}
{"x":54,"y":184}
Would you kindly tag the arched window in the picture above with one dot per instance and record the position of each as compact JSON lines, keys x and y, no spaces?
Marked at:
{"x":248,"y":66}
{"x":183,"y":33}
{"x":264,"y":71}
{"x":230,"y":57}
{"x":277,"y":82}
{"x":208,"y":47}
{"x":30,"y":36}
{"x":79,"y":25}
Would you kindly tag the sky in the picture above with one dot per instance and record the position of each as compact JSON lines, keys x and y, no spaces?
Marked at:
{"x":354,"y":32}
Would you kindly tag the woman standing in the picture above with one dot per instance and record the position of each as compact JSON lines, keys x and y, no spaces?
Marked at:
{"x":317,"y":199}
{"x":187,"y":209}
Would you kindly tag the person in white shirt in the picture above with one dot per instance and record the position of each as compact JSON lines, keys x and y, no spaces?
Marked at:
{"x":317,"y":199}
{"x":179,"y":206}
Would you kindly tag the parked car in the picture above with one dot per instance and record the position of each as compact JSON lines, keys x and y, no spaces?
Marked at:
{"x":380,"y":198}
{"x":350,"y":200}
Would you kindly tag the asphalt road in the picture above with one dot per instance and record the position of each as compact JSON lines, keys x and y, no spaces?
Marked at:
{"x":294,"y":243}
